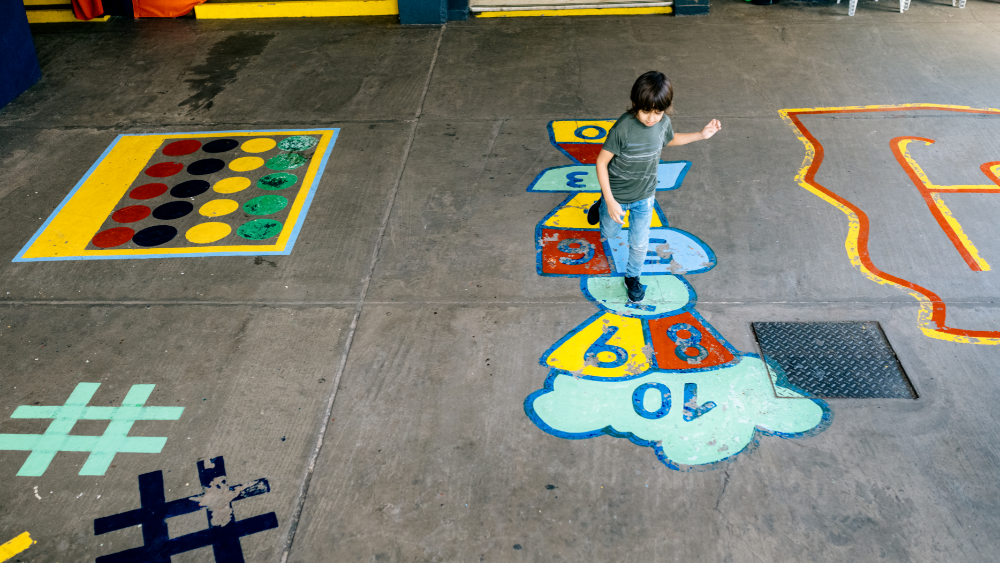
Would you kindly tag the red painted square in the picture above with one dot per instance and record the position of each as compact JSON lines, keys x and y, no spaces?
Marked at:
{"x":586,"y":153}
{"x":690,"y":343}
{"x":571,"y":252}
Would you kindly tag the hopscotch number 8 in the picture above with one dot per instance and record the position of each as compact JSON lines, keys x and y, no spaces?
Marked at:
{"x":576,"y":246}
{"x":691,"y":342}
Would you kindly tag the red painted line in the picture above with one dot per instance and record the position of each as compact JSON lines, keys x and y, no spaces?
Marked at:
{"x":989,"y":173}
{"x":939,"y":308}
{"x":931,"y":204}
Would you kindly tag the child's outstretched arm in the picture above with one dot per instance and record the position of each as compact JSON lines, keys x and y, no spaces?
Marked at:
{"x":684,"y":138}
{"x":614,"y":209}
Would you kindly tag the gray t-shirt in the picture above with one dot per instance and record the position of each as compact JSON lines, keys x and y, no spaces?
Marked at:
{"x":632,"y":171}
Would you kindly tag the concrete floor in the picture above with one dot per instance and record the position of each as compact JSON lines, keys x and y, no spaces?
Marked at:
{"x":376,"y":376}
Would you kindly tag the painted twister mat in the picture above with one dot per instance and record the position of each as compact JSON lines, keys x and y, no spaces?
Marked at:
{"x":656,"y":373}
{"x":934,"y":177}
{"x":228,"y":193}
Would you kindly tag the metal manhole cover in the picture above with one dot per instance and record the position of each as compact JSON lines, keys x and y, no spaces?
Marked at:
{"x":833,"y":360}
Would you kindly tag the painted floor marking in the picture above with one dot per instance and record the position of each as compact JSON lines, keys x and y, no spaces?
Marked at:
{"x":44,"y":447}
{"x":15,"y":546}
{"x":933,"y":310}
{"x":949,"y":224}
{"x":223,"y":532}
{"x":208,"y":193}
{"x":655,"y":373}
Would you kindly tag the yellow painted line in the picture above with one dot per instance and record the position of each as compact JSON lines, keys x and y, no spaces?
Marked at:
{"x":310,"y":9}
{"x":46,"y":2}
{"x":956,"y":227}
{"x":58,"y":16}
{"x":15,"y":546}
{"x":926,"y":312}
{"x":580,"y":12}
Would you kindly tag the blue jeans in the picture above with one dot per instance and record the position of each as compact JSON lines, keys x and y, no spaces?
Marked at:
{"x":639,"y":218}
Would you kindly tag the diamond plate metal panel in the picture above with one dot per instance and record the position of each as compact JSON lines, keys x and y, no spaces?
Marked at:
{"x":833,"y":360}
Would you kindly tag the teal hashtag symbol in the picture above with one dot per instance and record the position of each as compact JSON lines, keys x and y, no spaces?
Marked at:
{"x":44,"y":447}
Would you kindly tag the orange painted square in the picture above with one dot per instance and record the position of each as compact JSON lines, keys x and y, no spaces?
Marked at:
{"x":663,"y":346}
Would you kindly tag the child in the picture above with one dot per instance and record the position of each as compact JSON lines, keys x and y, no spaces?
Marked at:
{"x":626,"y":169}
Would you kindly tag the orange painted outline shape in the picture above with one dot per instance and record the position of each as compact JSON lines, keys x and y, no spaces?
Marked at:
{"x":933,"y":310}
{"x":928,"y":190}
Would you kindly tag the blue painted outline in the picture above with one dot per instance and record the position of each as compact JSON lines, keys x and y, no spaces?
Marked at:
{"x":288,"y":247}
{"x":552,"y":141}
{"x":538,"y":249}
{"x":692,"y":299}
{"x":825,"y":422}
{"x":709,"y":253}
{"x":680,"y":176}
{"x":52,"y":216}
{"x":677,"y":184}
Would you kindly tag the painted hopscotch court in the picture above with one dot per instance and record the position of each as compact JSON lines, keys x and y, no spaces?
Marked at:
{"x":216,"y":193}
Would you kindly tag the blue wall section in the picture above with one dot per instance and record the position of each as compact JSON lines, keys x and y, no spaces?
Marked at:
{"x":18,"y":60}
{"x":423,"y":11}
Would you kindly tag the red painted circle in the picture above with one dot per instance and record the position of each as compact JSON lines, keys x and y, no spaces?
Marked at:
{"x":181,"y":148}
{"x":148,"y":191}
{"x":164,"y":169}
{"x":130,"y":214}
{"x":112,"y":237}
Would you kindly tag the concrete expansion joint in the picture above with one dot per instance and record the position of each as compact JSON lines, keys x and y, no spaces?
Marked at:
{"x":352,"y":331}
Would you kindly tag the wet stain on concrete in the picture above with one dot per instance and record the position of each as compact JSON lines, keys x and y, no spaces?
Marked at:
{"x":224,"y":61}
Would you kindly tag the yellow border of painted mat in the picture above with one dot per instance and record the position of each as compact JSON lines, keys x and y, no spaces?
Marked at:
{"x":17,"y":545}
{"x":580,"y":12}
{"x":317,"y":9}
{"x":70,"y":227}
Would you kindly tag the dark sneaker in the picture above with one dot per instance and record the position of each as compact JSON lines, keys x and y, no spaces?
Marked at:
{"x":636,"y":292}
{"x":594,"y":215}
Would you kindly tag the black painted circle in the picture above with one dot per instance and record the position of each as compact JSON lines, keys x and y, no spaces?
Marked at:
{"x":190,"y":188}
{"x":155,"y":235}
{"x":172,"y":210}
{"x":205,"y":166}
{"x":220,"y":145}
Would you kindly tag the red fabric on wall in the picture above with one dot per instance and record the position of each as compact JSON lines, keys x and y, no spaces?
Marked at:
{"x":161,"y":8}
{"x":88,"y":9}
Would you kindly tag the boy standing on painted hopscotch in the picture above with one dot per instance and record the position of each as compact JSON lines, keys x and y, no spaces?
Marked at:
{"x":627,"y":165}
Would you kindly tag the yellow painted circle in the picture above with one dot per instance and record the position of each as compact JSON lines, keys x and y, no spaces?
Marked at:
{"x":218,"y":207}
{"x":246,"y":163}
{"x":207,"y":232}
{"x":606,"y":356}
{"x":231,"y":185}
{"x":259,"y":145}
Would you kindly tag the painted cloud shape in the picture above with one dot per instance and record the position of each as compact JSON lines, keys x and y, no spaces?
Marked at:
{"x":689,"y":418}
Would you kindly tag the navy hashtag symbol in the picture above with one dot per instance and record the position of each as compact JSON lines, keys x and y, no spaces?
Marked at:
{"x":223,"y":532}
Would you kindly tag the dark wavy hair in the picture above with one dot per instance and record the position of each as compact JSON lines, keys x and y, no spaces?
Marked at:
{"x":652,"y":91}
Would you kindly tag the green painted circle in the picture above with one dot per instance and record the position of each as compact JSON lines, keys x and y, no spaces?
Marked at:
{"x":286,"y":161}
{"x":665,"y":295}
{"x":298,"y":143}
{"x":277,"y":181}
{"x":265,"y":205}
{"x":259,"y":229}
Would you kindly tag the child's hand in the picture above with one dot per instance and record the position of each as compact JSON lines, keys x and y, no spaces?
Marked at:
{"x":616,"y":212}
{"x":711,"y":129}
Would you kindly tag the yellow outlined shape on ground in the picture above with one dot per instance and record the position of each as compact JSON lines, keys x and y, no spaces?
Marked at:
{"x":932,"y":313}
{"x":931,"y":194}
{"x":69,"y":229}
